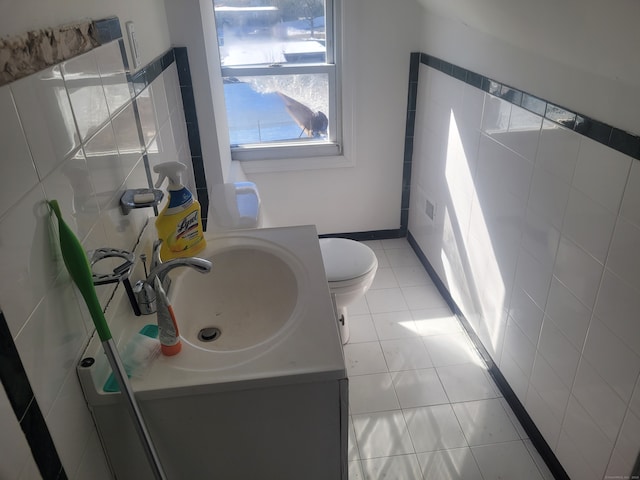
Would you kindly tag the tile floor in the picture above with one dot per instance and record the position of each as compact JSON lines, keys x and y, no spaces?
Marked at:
{"x":422,"y":405}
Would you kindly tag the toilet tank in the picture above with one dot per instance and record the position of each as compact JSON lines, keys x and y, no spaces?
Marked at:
{"x":234,"y":206}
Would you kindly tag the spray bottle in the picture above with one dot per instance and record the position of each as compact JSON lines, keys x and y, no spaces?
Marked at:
{"x":179,"y":224}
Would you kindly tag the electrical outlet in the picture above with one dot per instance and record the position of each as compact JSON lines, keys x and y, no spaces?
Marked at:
{"x":430,"y":210}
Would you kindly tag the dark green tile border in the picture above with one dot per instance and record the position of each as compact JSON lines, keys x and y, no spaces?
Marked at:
{"x":144,"y":77}
{"x":612,"y":137}
{"x":25,"y":407}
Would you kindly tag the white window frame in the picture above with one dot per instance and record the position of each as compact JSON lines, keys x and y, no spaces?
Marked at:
{"x":290,"y":149}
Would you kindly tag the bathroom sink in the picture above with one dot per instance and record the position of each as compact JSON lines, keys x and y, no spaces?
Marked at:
{"x":249,"y":296}
{"x":263,"y":313}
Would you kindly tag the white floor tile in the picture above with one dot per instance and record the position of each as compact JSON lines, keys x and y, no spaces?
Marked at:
{"x":418,"y":388}
{"x":394,"y":243}
{"x":393,"y":325}
{"x":386,"y":300}
{"x":484,"y":422}
{"x":455,"y":464}
{"x":423,"y":296}
{"x":382,"y":434}
{"x":372,"y":393}
{"x":466,"y":382}
{"x":392,"y":468}
{"x":412,"y":275}
{"x":361,"y":329}
{"x":355,"y":470}
{"x":405,"y":354}
{"x":452,"y":349}
{"x":352,"y":453}
{"x":385,"y":278}
{"x":506,"y":460}
{"x":373,"y":244}
{"x":434,"y":428}
{"x":436,"y":321}
{"x":383,"y":261}
{"x":359,"y":307}
{"x":402,"y":257}
{"x":364,"y":358}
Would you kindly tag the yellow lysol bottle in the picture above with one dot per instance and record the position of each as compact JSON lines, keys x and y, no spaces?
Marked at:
{"x":179,"y":224}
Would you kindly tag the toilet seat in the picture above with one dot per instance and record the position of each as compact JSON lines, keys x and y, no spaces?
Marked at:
{"x":345,"y":260}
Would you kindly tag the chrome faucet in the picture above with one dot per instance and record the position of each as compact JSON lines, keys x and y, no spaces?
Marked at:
{"x":145,"y":290}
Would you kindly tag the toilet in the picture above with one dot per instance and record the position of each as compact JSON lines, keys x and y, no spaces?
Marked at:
{"x":350,"y":268}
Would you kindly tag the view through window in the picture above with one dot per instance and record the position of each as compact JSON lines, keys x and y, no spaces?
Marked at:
{"x":279,"y":74}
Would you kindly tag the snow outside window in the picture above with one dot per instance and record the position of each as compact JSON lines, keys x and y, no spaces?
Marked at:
{"x":278,"y":66}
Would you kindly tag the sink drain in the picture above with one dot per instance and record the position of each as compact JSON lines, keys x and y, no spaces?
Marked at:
{"x":209,"y":334}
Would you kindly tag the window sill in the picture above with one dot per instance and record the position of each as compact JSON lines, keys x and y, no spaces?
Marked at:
{"x":296,"y":164}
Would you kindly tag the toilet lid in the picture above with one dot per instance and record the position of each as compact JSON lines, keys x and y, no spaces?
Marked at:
{"x":345,"y":259}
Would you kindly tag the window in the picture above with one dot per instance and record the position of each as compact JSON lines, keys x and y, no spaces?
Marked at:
{"x":279,"y":74}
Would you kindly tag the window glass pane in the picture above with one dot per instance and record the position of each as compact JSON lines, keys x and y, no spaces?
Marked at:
{"x":270,"y":31}
{"x":274,"y":108}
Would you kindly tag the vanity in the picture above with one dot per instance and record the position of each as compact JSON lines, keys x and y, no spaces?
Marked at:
{"x":261,"y":394}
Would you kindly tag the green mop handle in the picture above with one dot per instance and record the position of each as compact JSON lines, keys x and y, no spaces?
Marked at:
{"x":77,"y":264}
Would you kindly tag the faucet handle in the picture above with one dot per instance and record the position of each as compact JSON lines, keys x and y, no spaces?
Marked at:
{"x":145,"y":296}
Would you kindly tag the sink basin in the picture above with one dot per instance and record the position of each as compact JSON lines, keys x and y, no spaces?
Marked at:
{"x":248,"y":297}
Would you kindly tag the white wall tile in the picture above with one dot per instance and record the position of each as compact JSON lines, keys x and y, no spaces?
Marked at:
{"x":71,"y":185}
{"x":599,"y":400}
{"x":558,"y":352}
{"x":616,"y":363}
{"x":93,"y":464}
{"x":578,"y":271}
{"x":16,"y":155}
{"x":623,"y":256}
{"x":533,"y":277}
{"x":13,"y":444}
{"x":539,"y":237}
{"x":594,"y":447}
{"x":617,"y":305}
{"x":573,"y":460}
{"x":148,"y":120}
{"x":526,"y":314}
{"x":627,"y":445}
{"x":558,"y":150}
{"x":496,"y":114}
{"x":588,"y":224}
{"x":82,"y":79}
{"x":104,"y":164}
{"x":523,"y":134}
{"x":519,"y":348}
{"x":27,"y":258}
{"x":601,"y":173}
{"x":113,"y":75}
{"x":549,"y":386}
{"x":51,"y":341}
{"x":47,"y":119}
{"x":159,"y":98}
{"x":544,"y":416}
{"x":127,"y":137}
{"x":70,"y":423}
{"x":568,"y":313}
{"x":548,"y":196}
{"x":561,"y":258}
{"x":630,"y":209}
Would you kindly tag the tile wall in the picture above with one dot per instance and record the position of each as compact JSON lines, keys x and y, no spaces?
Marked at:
{"x":532,"y":222}
{"x":80,"y":132}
